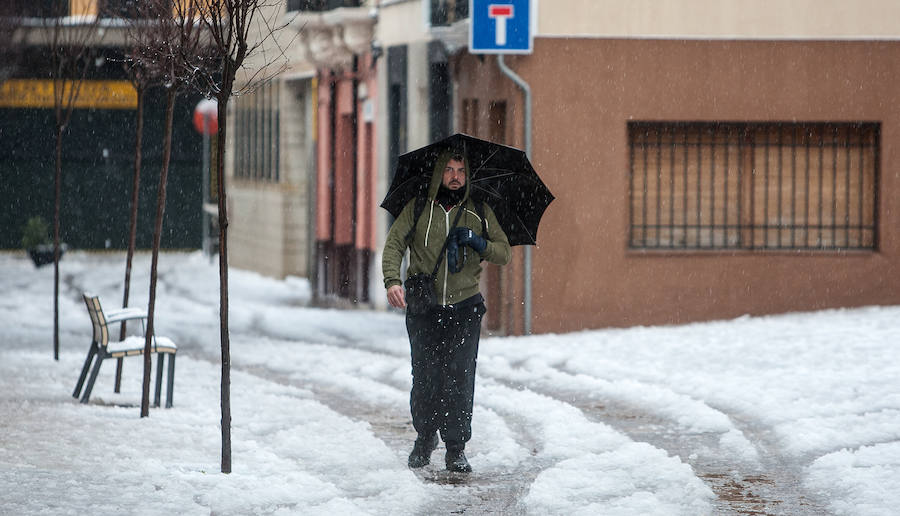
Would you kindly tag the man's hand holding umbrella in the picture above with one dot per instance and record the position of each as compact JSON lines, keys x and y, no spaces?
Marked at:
{"x":462,"y":237}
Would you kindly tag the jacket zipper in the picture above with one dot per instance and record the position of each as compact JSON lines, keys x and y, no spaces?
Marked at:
{"x":446,"y":252}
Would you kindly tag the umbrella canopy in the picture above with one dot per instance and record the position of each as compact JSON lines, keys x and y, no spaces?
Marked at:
{"x":499,"y":175}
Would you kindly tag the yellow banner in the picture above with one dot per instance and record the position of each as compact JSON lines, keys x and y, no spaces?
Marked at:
{"x":38,"y":93}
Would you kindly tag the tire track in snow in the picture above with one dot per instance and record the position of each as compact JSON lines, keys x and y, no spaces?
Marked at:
{"x":781,"y":476}
{"x":763,"y":481}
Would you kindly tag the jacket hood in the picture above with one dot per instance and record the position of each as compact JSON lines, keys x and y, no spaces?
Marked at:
{"x":438,"y":174}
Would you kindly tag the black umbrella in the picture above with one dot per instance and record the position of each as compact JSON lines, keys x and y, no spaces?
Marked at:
{"x":500,"y":176}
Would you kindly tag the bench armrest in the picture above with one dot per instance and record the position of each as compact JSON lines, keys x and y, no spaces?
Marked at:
{"x":125,"y":314}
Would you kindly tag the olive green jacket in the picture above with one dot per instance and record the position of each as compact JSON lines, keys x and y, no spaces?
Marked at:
{"x":431,"y":231}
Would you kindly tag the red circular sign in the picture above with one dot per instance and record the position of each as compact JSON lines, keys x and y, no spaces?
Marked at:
{"x":208,"y":109}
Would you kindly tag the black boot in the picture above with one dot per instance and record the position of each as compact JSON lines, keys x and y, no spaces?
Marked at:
{"x":456,"y":459}
{"x":421,"y":452}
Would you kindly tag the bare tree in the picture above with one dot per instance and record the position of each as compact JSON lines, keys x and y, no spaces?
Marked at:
{"x":142,"y":48}
{"x":71,"y":41}
{"x":172,"y":55}
{"x":237,"y":29}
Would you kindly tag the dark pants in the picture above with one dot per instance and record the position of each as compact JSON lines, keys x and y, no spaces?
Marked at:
{"x":444,"y":347}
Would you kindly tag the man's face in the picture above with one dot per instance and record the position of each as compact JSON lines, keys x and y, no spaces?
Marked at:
{"x":454,"y":174}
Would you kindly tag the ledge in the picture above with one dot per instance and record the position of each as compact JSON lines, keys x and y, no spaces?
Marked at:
{"x":333,"y":37}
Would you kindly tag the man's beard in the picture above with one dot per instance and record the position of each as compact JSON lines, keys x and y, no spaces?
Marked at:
{"x":450,"y":197}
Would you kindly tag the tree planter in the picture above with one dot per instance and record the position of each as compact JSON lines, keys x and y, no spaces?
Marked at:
{"x":43,"y":254}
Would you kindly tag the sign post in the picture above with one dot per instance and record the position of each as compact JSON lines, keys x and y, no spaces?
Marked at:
{"x":206,"y":122}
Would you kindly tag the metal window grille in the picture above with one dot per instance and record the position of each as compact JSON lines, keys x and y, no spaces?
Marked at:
{"x":257,"y":132}
{"x":753,"y":186}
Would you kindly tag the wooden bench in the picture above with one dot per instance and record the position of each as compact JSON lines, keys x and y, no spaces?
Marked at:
{"x":102,"y":348}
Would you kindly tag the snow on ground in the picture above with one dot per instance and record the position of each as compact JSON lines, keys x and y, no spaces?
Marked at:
{"x":819,"y":389}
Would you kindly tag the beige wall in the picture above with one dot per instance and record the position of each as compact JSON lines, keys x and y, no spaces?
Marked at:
{"x":585,"y":92}
{"x":256,"y":232}
{"x":270,"y":223}
{"x":803,"y":19}
{"x":268,"y":230}
{"x":297,"y":169}
{"x":401,"y":22}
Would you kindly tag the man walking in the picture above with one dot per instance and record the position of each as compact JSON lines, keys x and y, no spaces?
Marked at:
{"x":444,"y":339}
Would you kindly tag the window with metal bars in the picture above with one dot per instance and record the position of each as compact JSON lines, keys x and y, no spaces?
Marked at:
{"x":753,"y":186}
{"x":257,"y":134}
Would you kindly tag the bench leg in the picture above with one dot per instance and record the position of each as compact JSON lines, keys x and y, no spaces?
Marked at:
{"x":159,"y":373}
{"x":170,"y":381}
{"x":90,"y":385}
{"x":84,"y":371}
{"x":118,"y":387}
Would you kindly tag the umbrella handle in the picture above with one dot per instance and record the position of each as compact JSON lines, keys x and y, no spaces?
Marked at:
{"x":458,"y":265}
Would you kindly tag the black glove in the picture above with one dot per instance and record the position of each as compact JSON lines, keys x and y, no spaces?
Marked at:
{"x":465,"y":236}
{"x":453,"y":262}
{"x":462,"y":236}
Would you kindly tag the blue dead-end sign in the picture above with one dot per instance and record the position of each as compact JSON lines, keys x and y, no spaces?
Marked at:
{"x":501,"y":26}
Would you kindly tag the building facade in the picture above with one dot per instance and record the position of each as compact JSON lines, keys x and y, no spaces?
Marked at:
{"x":374,"y":82}
{"x":302,"y":163}
{"x":709,"y":159}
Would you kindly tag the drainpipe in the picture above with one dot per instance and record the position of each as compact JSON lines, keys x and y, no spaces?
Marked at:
{"x":526,"y":91}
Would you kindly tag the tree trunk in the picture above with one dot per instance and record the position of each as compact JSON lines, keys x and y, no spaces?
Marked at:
{"x":132,"y":235}
{"x":223,"y":282}
{"x":135,"y":194}
{"x":157,"y":237}
{"x":57,"y":190}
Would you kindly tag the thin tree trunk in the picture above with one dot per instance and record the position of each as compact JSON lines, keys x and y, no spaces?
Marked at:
{"x":132,"y":235}
{"x":223,"y":285}
{"x":157,"y":237}
{"x":57,"y":189}
{"x":135,"y":197}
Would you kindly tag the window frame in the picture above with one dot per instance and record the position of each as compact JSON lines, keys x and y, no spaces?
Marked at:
{"x":772,"y":189}
{"x":257,"y":138}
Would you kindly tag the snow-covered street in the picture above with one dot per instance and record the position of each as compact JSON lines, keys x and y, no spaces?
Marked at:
{"x":789,"y":414}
